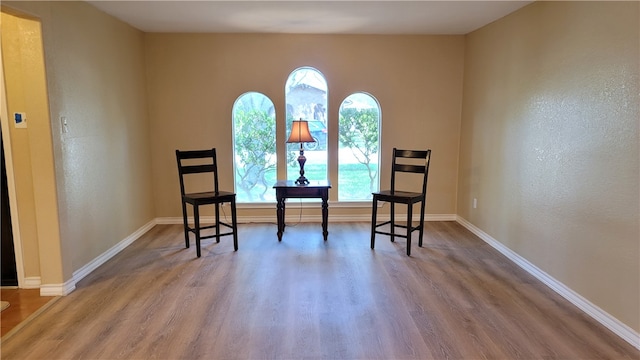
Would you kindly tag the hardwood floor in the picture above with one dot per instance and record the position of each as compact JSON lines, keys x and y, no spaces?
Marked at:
{"x":23,"y":304}
{"x":303,"y":297}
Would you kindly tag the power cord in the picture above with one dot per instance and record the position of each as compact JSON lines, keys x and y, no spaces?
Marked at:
{"x":226,"y":219}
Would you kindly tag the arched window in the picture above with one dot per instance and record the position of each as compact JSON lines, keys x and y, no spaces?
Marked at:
{"x":306,"y":99}
{"x":254,"y":147}
{"x":359,"y":145}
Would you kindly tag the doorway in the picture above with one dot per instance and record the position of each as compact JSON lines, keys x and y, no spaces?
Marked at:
{"x":9,"y":273}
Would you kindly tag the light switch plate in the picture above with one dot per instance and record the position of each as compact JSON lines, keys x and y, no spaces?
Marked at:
{"x":20,"y":120}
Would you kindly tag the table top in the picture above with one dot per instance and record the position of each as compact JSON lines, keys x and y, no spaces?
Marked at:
{"x":311,"y":184}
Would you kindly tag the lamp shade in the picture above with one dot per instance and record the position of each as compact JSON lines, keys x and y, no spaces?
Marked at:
{"x":300,"y":132}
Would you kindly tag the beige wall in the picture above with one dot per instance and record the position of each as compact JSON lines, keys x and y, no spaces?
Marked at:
{"x":194,"y":79}
{"x":95,"y":76}
{"x":549,"y":144}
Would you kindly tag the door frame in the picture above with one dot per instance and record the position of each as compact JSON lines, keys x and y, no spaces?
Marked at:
{"x":11,"y":184}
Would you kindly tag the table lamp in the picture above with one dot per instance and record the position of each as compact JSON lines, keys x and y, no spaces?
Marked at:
{"x":300,"y":134}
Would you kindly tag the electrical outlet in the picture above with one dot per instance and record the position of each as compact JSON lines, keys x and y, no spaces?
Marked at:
{"x":64,"y":125}
{"x":475,"y":203}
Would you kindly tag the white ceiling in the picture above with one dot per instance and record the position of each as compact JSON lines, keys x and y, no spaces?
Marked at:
{"x":309,"y":17}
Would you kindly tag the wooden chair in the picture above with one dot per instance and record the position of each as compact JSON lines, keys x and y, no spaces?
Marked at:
{"x":393,"y":196}
{"x":199,"y":162}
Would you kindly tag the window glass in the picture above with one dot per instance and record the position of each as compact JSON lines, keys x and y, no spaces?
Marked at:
{"x":254,"y":148}
{"x":306,"y":99}
{"x":358,"y":153}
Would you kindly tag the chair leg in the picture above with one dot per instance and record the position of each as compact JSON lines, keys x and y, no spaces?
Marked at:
{"x":374,"y":212}
{"x":234,"y":224}
{"x":196,"y":219}
{"x":217,"y":222}
{"x":409,"y":227}
{"x":186,"y":224}
{"x":421,"y":232}
{"x":393,"y":221}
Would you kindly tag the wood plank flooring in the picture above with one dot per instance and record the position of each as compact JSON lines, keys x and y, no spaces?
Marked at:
{"x":304,"y":298}
{"x":23,"y":304}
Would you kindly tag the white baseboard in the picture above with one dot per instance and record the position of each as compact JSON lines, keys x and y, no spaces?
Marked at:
{"x":113,"y":251}
{"x":58,"y":289}
{"x":31,"y":282}
{"x":306,"y":218}
{"x":70,"y":285}
{"x":604,"y":318}
{"x":27,"y":283}
{"x":437,"y":217}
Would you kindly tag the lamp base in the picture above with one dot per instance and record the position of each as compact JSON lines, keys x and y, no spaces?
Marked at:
{"x":302,"y":181}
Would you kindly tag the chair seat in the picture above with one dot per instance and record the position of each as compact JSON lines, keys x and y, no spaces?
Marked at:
{"x":405,"y":197}
{"x":208,"y":197}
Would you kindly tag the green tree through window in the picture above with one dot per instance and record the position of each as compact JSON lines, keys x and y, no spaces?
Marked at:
{"x":358,"y":157}
{"x":255,"y":162}
{"x":306,"y":99}
{"x":255,"y":138}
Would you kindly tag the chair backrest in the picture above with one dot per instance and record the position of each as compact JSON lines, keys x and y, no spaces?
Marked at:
{"x":197,"y":162}
{"x":413,"y":165}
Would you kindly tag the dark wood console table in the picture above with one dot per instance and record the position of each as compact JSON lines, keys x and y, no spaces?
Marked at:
{"x":289,"y":189}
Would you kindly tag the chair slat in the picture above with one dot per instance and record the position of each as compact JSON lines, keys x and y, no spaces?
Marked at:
{"x":412,"y":154}
{"x":409,"y":168}
{"x":195,"y":154}
{"x":194,"y":169}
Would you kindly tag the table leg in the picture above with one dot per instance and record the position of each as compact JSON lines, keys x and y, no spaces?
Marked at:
{"x":325,"y":214}
{"x":280,"y":216}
